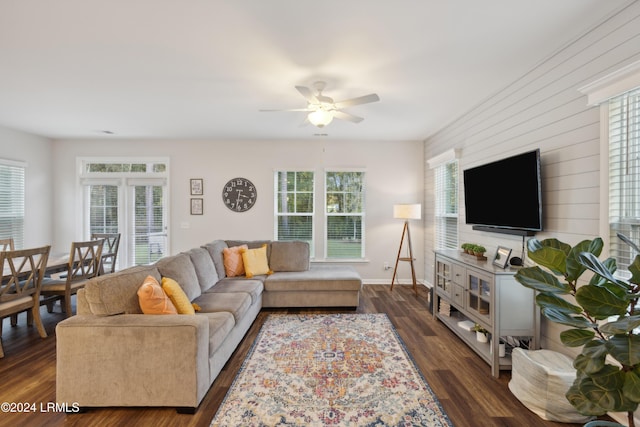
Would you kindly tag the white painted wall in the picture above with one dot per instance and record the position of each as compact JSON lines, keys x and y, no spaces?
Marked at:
{"x":36,"y":152}
{"x":394,"y":175}
{"x":544,"y":109}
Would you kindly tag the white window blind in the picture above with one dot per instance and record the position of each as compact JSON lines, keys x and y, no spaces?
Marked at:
{"x":12,"y":177}
{"x":344,"y":214}
{"x":624,"y":175}
{"x":294,"y":216}
{"x":446,"y":205}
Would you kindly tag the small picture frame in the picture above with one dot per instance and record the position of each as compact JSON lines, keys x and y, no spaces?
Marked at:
{"x":197,"y":206}
{"x":501,"y":258}
{"x":197,"y":187}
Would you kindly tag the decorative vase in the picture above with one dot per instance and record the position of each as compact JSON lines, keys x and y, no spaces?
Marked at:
{"x":481,"y":336}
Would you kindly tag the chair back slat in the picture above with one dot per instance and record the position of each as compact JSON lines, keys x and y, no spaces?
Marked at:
{"x":7,"y":244}
{"x":109,"y":251}
{"x":22,"y":272}
{"x":84,"y":260}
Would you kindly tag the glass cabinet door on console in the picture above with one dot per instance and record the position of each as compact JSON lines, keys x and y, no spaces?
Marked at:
{"x":479,"y":295}
{"x":443,"y":277}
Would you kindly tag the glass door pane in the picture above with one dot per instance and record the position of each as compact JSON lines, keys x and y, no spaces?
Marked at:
{"x":103,"y":209}
{"x":148,"y":224}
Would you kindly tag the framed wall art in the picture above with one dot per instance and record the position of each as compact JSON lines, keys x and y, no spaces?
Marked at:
{"x":197,"y":207}
{"x":197,"y":187}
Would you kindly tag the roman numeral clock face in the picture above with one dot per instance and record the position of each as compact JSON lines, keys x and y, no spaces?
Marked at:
{"x":239,"y":194}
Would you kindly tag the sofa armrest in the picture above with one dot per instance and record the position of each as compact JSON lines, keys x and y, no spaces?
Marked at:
{"x":133,"y":360}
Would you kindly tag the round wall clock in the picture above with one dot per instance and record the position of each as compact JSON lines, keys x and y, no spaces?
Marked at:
{"x":239,"y":194}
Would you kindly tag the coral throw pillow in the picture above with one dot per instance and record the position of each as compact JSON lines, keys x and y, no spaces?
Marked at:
{"x":233,"y":264}
{"x":255,"y":261}
{"x":152,"y":298}
{"x":177,"y":296}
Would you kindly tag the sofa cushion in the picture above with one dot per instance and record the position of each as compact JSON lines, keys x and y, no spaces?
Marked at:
{"x":180,"y":268}
{"x":237,"y":303}
{"x":215,"y":249}
{"x":233,"y":264}
{"x":153,"y":300}
{"x":289,"y":256}
{"x":317,"y":278}
{"x":177,"y":296}
{"x":255,"y":261}
{"x":205,"y":269}
{"x":231,"y":284}
{"x":220,"y":324}
{"x":117,"y":293}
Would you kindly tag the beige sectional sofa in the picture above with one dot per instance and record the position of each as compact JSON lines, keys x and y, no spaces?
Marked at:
{"x":110,"y":354}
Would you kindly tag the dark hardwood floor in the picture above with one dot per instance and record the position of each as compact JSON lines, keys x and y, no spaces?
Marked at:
{"x":460,"y":379}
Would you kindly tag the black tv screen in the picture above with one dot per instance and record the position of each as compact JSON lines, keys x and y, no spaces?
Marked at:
{"x":506,"y":193}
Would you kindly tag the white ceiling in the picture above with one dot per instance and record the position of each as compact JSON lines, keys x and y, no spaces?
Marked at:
{"x":203,"y":68}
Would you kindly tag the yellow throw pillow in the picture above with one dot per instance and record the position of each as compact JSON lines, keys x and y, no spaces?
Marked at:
{"x":255,"y":261}
{"x":233,"y":264}
{"x":177,"y":296}
{"x":152,"y":298}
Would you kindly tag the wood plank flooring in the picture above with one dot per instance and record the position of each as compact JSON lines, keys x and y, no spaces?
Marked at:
{"x":460,"y":379}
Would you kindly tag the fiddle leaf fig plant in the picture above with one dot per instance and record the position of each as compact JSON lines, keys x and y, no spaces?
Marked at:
{"x":601,"y":318}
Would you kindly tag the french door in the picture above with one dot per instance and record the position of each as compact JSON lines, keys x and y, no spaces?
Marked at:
{"x":135,"y":208}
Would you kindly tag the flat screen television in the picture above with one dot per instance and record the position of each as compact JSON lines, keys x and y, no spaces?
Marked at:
{"x":505,"y":194}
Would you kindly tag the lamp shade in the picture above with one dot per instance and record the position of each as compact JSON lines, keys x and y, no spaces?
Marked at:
{"x":413,"y":211}
{"x":320,"y":117}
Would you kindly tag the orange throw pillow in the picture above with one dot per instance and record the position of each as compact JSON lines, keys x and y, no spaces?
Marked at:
{"x":233,"y":264}
{"x":153,"y":300}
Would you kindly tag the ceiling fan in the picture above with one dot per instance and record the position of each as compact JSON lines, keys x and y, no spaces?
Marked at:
{"x":322,"y":109}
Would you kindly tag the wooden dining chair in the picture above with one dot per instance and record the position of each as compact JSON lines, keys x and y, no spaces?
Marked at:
{"x":22,"y":274}
{"x":6,"y":244}
{"x":84,"y":264}
{"x":109,"y":251}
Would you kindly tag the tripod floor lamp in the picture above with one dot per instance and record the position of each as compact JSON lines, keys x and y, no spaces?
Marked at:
{"x":406,"y":212}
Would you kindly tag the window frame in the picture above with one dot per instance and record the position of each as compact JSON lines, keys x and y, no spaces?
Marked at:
{"x":598,"y":93}
{"x":16,"y":200}
{"x":327,"y":215}
{"x":436,"y":164}
{"x":618,"y":191}
{"x":276,"y":203}
{"x":443,"y":219}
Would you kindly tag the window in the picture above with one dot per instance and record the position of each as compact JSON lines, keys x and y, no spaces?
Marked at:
{"x":294,"y":193}
{"x":624,"y":174}
{"x":446,"y":209}
{"x":129,"y":197}
{"x":344,"y":214}
{"x":12,"y":175}
{"x":445,"y":171}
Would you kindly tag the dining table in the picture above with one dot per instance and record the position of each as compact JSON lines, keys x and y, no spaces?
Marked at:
{"x":56,"y":263}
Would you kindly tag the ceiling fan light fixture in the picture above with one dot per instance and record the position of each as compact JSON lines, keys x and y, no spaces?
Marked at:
{"x":320,"y":118}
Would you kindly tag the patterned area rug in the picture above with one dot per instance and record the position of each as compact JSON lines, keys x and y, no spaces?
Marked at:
{"x":335,"y":369}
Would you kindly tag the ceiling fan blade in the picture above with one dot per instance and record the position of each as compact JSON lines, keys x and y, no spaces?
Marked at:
{"x":291,"y":109}
{"x":308,"y":95}
{"x":357,"y":101}
{"x":346,"y":116}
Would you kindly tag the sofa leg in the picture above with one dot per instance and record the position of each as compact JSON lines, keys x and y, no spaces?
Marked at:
{"x":186,"y":410}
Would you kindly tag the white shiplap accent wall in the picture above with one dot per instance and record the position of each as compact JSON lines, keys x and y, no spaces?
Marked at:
{"x":543,"y":109}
